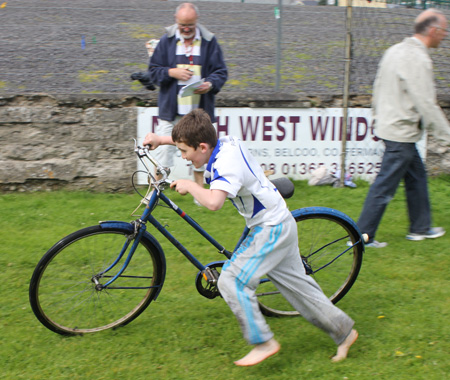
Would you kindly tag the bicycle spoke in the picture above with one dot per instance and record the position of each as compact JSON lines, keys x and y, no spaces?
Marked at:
{"x":67,"y":294}
{"x":326,"y":257}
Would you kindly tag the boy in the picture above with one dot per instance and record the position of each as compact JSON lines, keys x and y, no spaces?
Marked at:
{"x":271,"y":248}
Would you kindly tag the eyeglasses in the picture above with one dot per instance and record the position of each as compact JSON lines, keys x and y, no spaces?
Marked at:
{"x":186,"y":25}
{"x":441,"y":28}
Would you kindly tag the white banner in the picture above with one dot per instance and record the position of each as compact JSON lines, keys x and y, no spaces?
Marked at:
{"x":292,"y":142}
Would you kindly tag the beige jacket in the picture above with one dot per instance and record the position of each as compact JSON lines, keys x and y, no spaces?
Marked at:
{"x":404,"y":96}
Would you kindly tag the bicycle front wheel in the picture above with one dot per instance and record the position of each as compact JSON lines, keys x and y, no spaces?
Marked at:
{"x":331,"y":249}
{"x":66,"y":289}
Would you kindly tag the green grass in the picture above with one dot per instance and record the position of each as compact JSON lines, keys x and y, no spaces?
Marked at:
{"x":400,"y":301}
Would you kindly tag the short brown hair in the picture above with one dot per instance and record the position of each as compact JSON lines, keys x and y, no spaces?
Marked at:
{"x":195,"y":128}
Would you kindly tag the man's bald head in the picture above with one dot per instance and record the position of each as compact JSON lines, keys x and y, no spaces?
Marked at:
{"x":430,"y":27}
{"x":186,"y":17}
{"x":426,"y":19}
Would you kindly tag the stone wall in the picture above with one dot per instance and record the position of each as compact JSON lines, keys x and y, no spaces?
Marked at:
{"x":80,"y":142}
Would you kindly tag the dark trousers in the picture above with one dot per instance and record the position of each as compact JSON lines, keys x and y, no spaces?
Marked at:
{"x":400,"y":161}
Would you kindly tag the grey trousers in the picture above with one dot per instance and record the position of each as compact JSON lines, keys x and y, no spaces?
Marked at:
{"x":273,"y":251}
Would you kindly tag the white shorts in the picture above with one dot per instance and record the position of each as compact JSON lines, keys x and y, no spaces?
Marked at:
{"x":165,"y":153}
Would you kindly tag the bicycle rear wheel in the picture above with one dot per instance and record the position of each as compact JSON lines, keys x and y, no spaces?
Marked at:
{"x":64,"y":290}
{"x":324,"y":243}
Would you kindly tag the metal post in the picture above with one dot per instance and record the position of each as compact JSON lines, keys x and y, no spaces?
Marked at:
{"x":278,"y":15}
{"x":348,"y":43}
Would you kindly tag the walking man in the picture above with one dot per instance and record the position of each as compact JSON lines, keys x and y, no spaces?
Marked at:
{"x":404,"y":105}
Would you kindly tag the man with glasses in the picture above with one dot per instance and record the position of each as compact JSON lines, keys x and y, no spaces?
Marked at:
{"x":404,"y":105}
{"x":186,"y":54}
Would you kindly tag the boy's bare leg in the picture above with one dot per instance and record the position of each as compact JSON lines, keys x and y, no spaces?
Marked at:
{"x":198,"y":178}
{"x":345,"y":346}
{"x":259,"y":353}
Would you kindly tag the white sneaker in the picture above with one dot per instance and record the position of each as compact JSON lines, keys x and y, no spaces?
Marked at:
{"x":376,"y":244}
{"x":432,"y":233}
{"x":373,"y":244}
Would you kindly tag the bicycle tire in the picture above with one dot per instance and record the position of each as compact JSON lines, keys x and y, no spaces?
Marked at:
{"x":64,"y":297}
{"x":323,"y":235}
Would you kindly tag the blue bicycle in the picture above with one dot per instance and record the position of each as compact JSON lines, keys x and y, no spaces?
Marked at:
{"x":105,"y":276}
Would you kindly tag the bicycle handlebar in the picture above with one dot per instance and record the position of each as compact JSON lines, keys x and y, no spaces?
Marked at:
{"x":144,"y":152}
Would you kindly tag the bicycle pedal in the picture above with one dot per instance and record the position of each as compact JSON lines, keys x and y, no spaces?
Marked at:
{"x":211,"y":276}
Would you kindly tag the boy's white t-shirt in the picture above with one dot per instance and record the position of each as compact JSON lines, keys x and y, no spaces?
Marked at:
{"x":233,"y":169}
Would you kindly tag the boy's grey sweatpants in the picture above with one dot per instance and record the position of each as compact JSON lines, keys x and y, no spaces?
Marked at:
{"x":273,"y":251}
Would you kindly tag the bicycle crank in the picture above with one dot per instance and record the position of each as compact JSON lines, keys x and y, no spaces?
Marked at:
{"x":206,"y":280}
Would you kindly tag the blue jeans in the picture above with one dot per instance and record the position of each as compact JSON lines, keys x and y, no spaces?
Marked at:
{"x":400,"y":161}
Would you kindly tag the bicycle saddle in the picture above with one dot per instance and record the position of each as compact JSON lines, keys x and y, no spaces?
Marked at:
{"x":284,"y":186}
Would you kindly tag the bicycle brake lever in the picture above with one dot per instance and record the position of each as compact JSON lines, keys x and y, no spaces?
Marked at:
{"x":139,"y":151}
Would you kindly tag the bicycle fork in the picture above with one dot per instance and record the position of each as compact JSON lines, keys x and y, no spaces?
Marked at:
{"x":139,"y":230}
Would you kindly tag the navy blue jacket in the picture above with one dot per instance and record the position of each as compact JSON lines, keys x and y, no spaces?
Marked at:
{"x":214,"y":70}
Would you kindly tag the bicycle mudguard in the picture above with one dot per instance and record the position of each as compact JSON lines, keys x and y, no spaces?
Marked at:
{"x":147,"y":239}
{"x":327,"y":211}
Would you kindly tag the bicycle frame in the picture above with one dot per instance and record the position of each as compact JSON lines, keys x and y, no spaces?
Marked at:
{"x":140,"y":228}
{"x":66,"y":293}
{"x":156,"y":195}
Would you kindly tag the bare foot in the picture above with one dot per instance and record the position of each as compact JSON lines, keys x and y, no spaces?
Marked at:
{"x":343,"y":348}
{"x":259,"y":353}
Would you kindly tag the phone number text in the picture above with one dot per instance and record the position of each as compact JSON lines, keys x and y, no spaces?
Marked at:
{"x":353,"y":168}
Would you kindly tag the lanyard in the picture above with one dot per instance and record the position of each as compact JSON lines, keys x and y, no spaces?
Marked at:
{"x":188,"y":52}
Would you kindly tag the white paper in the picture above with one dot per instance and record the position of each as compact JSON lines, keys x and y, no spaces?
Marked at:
{"x":190,"y":88}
